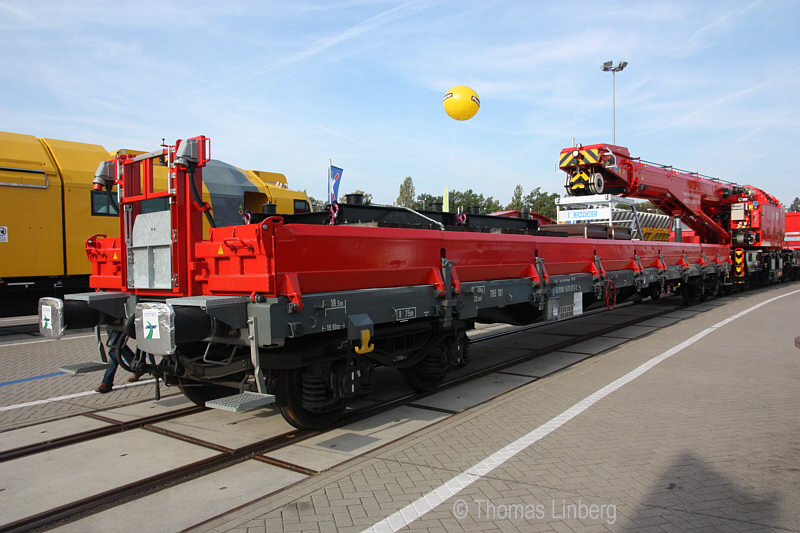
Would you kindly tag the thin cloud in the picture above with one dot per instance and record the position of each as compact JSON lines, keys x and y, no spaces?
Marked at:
{"x":685,"y":118}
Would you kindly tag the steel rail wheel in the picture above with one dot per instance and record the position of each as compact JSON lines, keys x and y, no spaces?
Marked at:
{"x":294,"y":385}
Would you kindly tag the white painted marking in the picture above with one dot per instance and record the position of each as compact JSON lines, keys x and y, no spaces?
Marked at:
{"x":444,"y":492}
{"x":71,"y":396}
{"x":47,"y":340}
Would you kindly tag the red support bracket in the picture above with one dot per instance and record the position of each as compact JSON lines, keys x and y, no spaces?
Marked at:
{"x":454,"y":281}
{"x":634,"y":265}
{"x":660,"y":263}
{"x":533,"y":272}
{"x":290,"y":287}
{"x":597,"y":273}
{"x":435,"y":279}
{"x":544,"y":271}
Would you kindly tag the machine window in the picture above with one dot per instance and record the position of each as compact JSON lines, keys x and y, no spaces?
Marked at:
{"x":101,"y":207}
{"x":301,"y":206}
{"x":155,"y":204}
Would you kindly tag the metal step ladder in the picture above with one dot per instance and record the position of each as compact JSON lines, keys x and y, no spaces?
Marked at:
{"x":91,"y":366}
{"x":247,"y":400}
{"x":241,"y":402}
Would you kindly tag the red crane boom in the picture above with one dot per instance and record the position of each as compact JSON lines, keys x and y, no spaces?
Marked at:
{"x":703,"y":203}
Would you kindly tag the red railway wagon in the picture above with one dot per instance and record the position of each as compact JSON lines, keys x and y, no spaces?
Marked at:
{"x":300,"y":309}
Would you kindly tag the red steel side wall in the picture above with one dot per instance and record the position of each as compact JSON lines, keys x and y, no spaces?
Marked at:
{"x":309,"y":258}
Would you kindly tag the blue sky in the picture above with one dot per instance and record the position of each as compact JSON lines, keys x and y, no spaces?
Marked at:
{"x":711,"y":86}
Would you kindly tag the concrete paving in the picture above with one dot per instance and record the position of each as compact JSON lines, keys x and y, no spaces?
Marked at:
{"x":594,"y":346}
{"x":197,"y":500}
{"x":43,"y":481}
{"x":631,"y":332}
{"x":704,"y":440}
{"x":660,"y":321}
{"x":532,"y":341}
{"x":232,"y":430}
{"x":475,"y":392}
{"x":343,"y":444}
{"x":137,"y":411}
{"x":546,"y":364}
{"x":48,"y":431}
{"x":682,"y":313}
{"x":611,"y":318}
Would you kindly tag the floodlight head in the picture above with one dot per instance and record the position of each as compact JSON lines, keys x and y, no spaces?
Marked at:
{"x":607,"y":66}
{"x":622,"y":65}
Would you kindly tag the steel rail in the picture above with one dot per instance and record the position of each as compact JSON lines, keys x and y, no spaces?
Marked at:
{"x":96,"y":433}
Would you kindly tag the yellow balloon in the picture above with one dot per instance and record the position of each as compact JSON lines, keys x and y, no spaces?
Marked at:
{"x":461,"y":103}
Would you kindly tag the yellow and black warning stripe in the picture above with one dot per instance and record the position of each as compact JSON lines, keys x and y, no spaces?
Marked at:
{"x":580,"y":176}
{"x":578,"y":182}
{"x":738,"y":262}
{"x":583,"y":157}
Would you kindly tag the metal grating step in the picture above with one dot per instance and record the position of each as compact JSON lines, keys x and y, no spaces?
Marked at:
{"x":241,"y":402}
{"x":84,"y":368}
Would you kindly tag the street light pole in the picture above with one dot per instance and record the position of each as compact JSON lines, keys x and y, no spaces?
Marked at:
{"x":607,"y":67}
{"x":614,"y":107}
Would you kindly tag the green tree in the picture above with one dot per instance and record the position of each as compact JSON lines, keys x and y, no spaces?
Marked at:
{"x":795,"y":207}
{"x":516,"y":199}
{"x":461,"y":200}
{"x":316,"y":205}
{"x":406,"y":197}
{"x":424,"y":200}
{"x":491,"y":205}
{"x":541,"y":202}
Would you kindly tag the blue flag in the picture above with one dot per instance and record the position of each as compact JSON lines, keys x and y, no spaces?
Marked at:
{"x":334,"y":179}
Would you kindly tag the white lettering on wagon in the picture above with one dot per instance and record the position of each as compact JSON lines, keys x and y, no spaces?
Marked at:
{"x":478,"y":293}
{"x":335,"y":305}
{"x":406,"y":313}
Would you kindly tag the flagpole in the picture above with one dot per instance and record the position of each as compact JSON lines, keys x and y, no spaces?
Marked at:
{"x":330,"y":164}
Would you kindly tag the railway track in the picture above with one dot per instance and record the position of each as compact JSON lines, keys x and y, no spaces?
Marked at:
{"x":226,"y":456}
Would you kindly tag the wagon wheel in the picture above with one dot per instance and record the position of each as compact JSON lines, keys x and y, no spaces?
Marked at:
{"x":688,"y":292}
{"x":655,"y":292}
{"x":429,"y":373}
{"x":291,"y":387}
